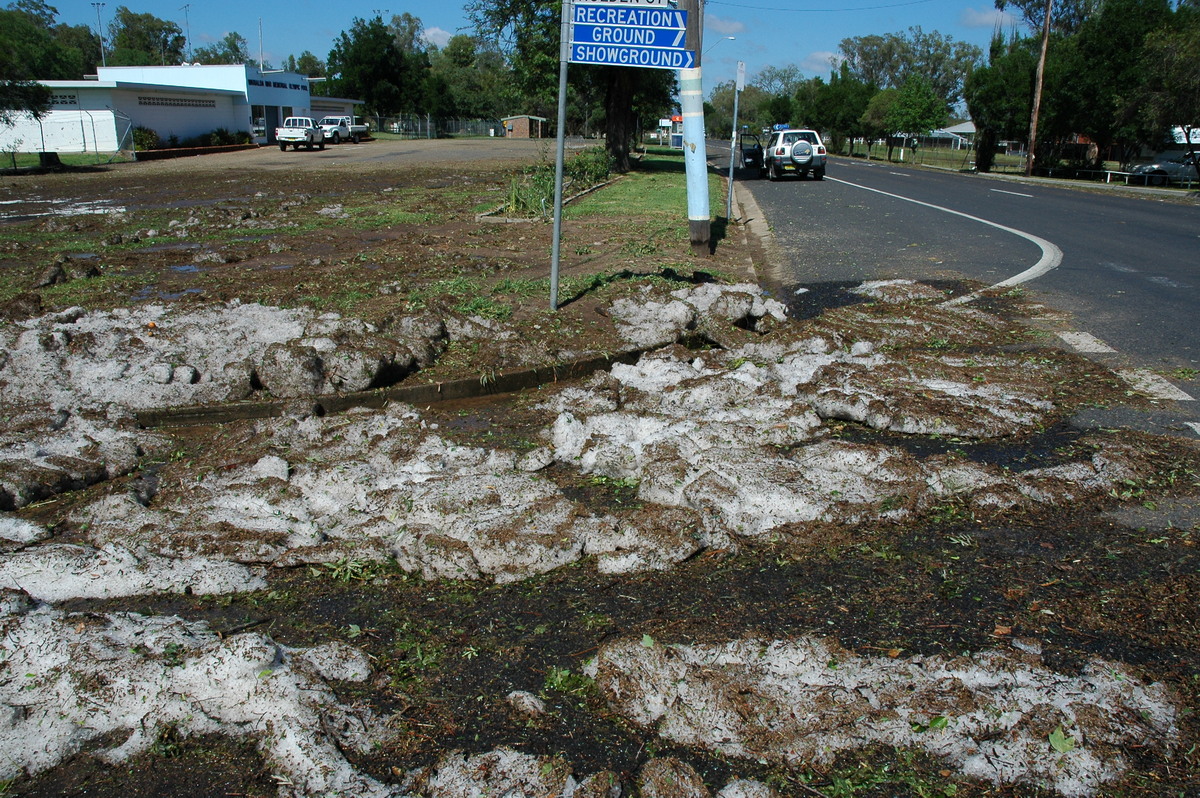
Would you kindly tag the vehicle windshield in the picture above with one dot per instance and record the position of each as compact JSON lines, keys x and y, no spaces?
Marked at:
{"x":792,"y":138}
{"x":329,"y":120}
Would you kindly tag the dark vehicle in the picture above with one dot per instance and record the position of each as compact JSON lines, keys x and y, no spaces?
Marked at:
{"x":752,"y":153}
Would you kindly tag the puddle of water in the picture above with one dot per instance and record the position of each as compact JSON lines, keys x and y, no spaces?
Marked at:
{"x":61,"y":208}
{"x":170,"y":247}
{"x":150,"y":292}
{"x":1055,"y":446}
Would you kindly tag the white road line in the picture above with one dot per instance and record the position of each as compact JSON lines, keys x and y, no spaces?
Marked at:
{"x":1051,"y":255}
{"x":1195,"y":425}
{"x":1152,"y":385}
{"x":1085,"y":342}
{"x":1014,"y":193}
{"x":900,"y":174}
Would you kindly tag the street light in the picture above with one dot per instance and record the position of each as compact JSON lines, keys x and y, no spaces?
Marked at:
{"x":714,"y":44}
{"x":100,"y":30}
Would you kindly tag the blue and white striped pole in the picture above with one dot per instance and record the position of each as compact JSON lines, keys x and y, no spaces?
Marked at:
{"x":695,"y":159}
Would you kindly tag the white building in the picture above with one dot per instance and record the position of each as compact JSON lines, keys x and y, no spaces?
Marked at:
{"x":177,"y":102}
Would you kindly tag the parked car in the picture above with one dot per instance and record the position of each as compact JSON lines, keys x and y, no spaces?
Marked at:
{"x":297,"y":131}
{"x":1169,"y":167}
{"x":342,"y":128}
{"x":792,"y":151}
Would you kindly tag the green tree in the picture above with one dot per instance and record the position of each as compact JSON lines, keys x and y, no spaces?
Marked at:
{"x":999,"y":96}
{"x":840,"y":105}
{"x":408,"y":32}
{"x":309,"y":64}
{"x":527,"y":31}
{"x":233,"y":49}
{"x":779,"y":110}
{"x":1172,"y":75}
{"x":1066,"y":16}
{"x":143,"y":39}
{"x":1104,"y":95}
{"x":718,"y":113}
{"x":888,"y":61}
{"x":875,"y":119}
{"x":917,"y":108}
{"x":365,"y":64}
{"x":29,"y":53}
{"x":473,"y":74}
{"x":778,"y":80}
{"x":85,"y":41}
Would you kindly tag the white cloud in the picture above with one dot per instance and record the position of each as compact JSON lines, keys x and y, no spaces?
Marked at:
{"x":438,"y":36}
{"x":723,"y":26}
{"x":820,"y":62}
{"x":988,"y":18}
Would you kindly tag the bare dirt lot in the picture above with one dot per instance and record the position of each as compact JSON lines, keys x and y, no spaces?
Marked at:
{"x":272,"y":522}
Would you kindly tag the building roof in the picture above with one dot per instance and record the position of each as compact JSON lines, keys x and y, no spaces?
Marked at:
{"x":963,"y":128}
{"x":523,"y":116}
{"x":82,"y":85}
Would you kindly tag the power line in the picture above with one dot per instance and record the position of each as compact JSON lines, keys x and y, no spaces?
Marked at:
{"x":819,"y":10}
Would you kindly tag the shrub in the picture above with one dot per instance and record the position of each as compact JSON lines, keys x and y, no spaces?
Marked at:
{"x":145,"y":139}
{"x":532,"y":193}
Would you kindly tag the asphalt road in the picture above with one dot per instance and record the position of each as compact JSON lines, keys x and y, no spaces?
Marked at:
{"x":1128,"y":278}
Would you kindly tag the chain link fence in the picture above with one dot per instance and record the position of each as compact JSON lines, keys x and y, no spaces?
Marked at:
{"x":414,"y":126}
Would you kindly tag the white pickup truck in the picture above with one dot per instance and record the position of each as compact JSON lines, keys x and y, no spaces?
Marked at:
{"x":297,"y":131}
{"x":342,"y":128}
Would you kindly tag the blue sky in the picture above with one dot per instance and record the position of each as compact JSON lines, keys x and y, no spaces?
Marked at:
{"x":766,"y":32}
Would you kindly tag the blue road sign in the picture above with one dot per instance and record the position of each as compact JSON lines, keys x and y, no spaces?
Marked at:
{"x":622,"y":55}
{"x":638,"y":37}
{"x":630,"y":35}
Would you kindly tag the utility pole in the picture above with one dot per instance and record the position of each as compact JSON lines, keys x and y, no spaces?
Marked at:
{"x":100,"y":31}
{"x":187,"y":29}
{"x":695,"y":154}
{"x":1037,"y":90}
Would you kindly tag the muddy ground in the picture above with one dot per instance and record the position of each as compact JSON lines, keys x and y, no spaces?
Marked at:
{"x":1068,"y":555}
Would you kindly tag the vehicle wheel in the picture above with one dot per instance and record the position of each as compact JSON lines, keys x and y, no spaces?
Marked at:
{"x":354,"y":137}
{"x":1156,"y":179}
{"x":283,"y":146}
{"x":296,"y":146}
{"x":819,"y":174}
{"x":308,"y":146}
{"x":772,"y":172}
{"x":321,"y":146}
{"x":337,"y":137}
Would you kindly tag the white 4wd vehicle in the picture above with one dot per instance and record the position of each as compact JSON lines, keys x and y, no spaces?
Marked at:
{"x":299,"y":131}
{"x":342,"y":128}
{"x":798,"y":152}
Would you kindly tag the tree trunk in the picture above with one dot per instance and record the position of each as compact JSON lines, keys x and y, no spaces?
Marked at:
{"x":985,"y":149}
{"x":50,"y":159}
{"x":618,"y":127}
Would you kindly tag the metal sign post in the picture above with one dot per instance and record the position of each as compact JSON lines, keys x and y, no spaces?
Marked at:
{"x":737,"y":91}
{"x":560,"y":150}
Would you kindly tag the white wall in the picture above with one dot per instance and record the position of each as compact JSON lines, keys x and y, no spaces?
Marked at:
{"x":65,"y":131}
{"x":179,"y":114}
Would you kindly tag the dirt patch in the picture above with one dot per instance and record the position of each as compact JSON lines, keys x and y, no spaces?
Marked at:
{"x":568,"y":588}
